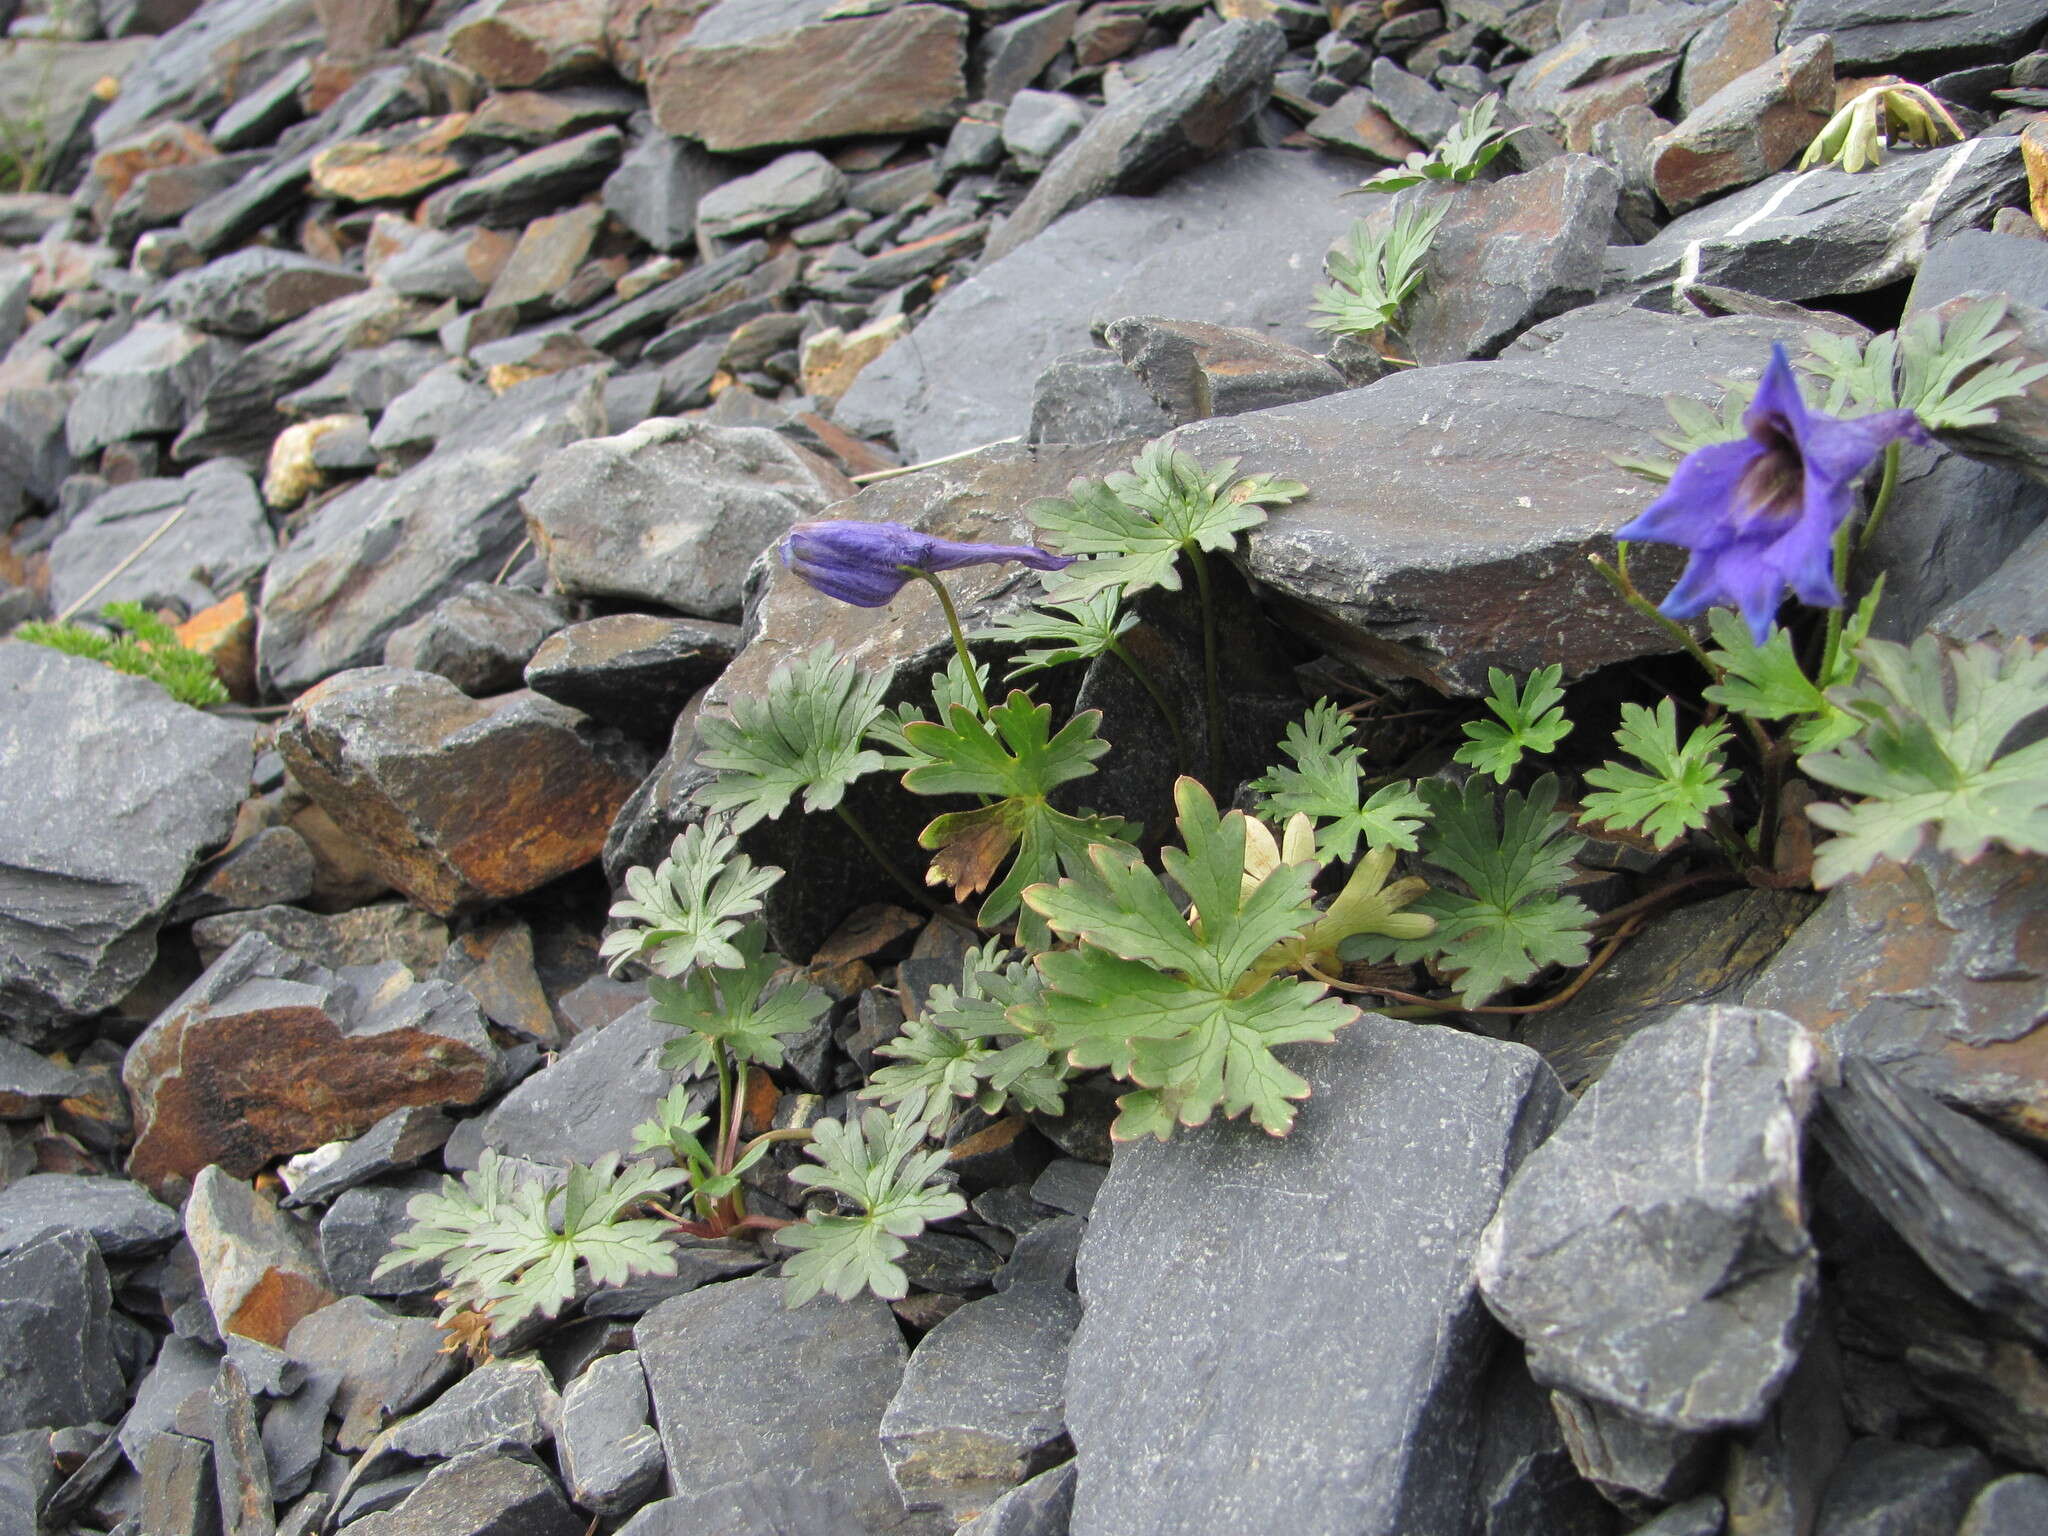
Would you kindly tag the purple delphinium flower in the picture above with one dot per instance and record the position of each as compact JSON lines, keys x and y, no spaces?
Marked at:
{"x":866,"y":564}
{"x":1759,"y":514}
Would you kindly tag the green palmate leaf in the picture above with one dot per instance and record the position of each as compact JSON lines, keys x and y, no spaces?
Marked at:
{"x":740,"y":1008}
{"x":685,"y":912}
{"x":1460,"y":155}
{"x":806,"y":735}
{"x":1943,"y":374}
{"x":504,"y":1254}
{"x":1928,"y":759}
{"x":1531,"y":720}
{"x":1324,"y":785}
{"x":1012,"y":759}
{"x":678,"y":1132}
{"x":1513,"y":923}
{"x":1170,"y":1002}
{"x":1766,"y":681}
{"x":1076,"y":631}
{"x":965,"y":1048}
{"x":950,"y":691}
{"x":1134,"y":526}
{"x":1377,"y":271}
{"x":875,"y":1166}
{"x":1684,"y":785}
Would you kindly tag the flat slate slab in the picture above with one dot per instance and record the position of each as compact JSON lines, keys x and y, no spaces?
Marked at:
{"x":1285,"y":1335}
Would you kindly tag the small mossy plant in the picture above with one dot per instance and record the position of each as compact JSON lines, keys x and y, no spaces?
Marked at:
{"x":1190,"y":965}
{"x":139,"y":643}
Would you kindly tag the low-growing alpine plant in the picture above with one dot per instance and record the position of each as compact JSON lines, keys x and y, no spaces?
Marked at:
{"x":1190,"y":962}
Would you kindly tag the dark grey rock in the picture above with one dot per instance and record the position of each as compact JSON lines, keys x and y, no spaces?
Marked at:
{"x":1410,"y":502}
{"x":179,"y":1496}
{"x":2012,"y":1506}
{"x":1508,"y":254}
{"x":96,"y":838}
{"x":787,"y":190}
{"x":1069,"y":1185}
{"x":1200,"y":1379}
{"x":1045,"y":1255}
{"x":1978,"y":261}
{"x":734,"y":1387}
{"x":241,"y":1469}
{"x":1230,"y":242}
{"x":783,"y":1502}
{"x":1525,"y":1482}
{"x":421,"y":263}
{"x":357,"y":1232}
{"x":1893,"y":968}
{"x":479,"y":1493}
{"x":1703,"y":1516}
{"x":1037,"y":125}
{"x":1973,"y":1205}
{"x":497,"y":1406}
{"x":27,"y":1474}
{"x":1090,"y":397}
{"x":272,"y":867}
{"x":253,"y":292}
{"x":1417,"y":108}
{"x":364,"y":381}
{"x":1635,"y":1466}
{"x":238,"y":414}
{"x":699,"y":1261}
{"x":57,"y":1335}
{"x":33,"y":447}
{"x":435,"y":406}
{"x":536,"y":183}
{"x":393,"y":1144}
{"x":1794,"y":236}
{"x":266,"y":1370}
{"x":192,"y":71}
{"x":257,"y":116}
{"x":480,"y":638}
{"x":1887,"y":1488}
{"x":657,"y":186}
{"x":1691,"y":1319}
{"x":1873,"y":36}
{"x":149,"y":381}
{"x":611,"y":1459}
{"x":1775,"y":1474}
{"x":1610,"y":62}
{"x":385,"y":552}
{"x":371,"y":935}
{"x":703,"y":289}
{"x":635,"y":671}
{"x":673,"y":511}
{"x":120,"y":1216}
{"x":221,"y":541}
{"x":1194,"y":369}
{"x":1040,"y":1507}
{"x":30,"y":1083}
{"x":1014,"y":53}
{"x":183,"y":1369}
{"x":1706,"y":953}
{"x":383,"y":1364}
{"x":1183,"y":113}
{"x":295,"y":1434}
{"x":980,"y":1407}
{"x":587,"y":1102}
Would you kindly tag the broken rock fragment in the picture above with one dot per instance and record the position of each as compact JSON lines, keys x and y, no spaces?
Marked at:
{"x":459,"y":801}
{"x":270,"y":1053}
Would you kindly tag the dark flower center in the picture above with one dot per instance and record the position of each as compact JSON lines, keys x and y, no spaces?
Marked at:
{"x":1774,"y":484}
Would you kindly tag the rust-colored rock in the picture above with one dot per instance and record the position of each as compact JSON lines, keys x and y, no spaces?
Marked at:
{"x":391,"y":166}
{"x":531,"y":42}
{"x":225,"y":634}
{"x":460,"y":801}
{"x":1729,"y":46}
{"x":903,"y":71}
{"x":1753,"y":126}
{"x":356,"y":29}
{"x":1939,"y":971}
{"x":833,"y":359}
{"x":256,"y":1264}
{"x":269,"y":1053}
{"x":115,"y":168}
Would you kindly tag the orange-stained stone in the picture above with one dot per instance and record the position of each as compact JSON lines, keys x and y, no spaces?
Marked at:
{"x":226,"y":635}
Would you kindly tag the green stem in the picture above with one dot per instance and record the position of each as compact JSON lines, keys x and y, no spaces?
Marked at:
{"x":1214,"y":693}
{"x":1166,"y":710}
{"x":1888,"y":481}
{"x":1617,"y":577}
{"x":867,"y":841}
{"x":959,"y":636}
{"x":723,"y":1067}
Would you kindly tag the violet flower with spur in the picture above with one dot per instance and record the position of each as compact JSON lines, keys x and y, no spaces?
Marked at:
{"x":867,"y":564}
{"x":1760,"y":514}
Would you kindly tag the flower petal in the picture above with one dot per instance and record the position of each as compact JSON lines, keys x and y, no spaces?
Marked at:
{"x":1693,"y":511}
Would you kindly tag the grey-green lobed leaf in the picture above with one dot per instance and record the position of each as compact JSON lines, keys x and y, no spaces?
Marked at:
{"x":806,"y":736}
